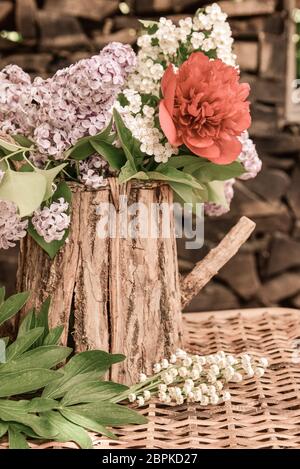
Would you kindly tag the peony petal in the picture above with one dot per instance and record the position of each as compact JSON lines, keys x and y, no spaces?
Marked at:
{"x":168,"y":87}
{"x":230,"y":150}
{"x":211,"y":152}
{"x":199,"y":142}
{"x":167,"y":125}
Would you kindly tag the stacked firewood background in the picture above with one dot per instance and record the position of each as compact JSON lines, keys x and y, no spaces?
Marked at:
{"x":44,"y":35}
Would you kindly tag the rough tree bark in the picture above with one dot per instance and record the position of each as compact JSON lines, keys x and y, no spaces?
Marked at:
{"x":117,"y":294}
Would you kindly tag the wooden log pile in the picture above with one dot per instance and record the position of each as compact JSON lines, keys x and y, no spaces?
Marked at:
{"x":55,"y":33}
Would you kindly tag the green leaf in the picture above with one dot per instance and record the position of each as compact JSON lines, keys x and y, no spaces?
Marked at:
{"x":27,"y":324}
{"x":113,"y":155}
{"x":3,"y":428}
{"x":8,"y":146}
{"x":46,"y":356}
{"x":18,"y":412}
{"x":50,"y":175}
{"x":87,"y":423}
{"x":174,"y":175}
{"x":23,"y":343}
{"x":216,"y":193}
{"x":38,"y":404}
{"x":214,"y":172}
{"x":26,"y":190}
{"x":130,"y":145}
{"x":2,"y":295}
{"x":16,"y":439}
{"x":12,"y":306}
{"x":83,"y":148}
{"x":54,"y":335}
{"x":92,"y":391}
{"x":67,"y":431}
{"x":187,"y":194}
{"x":127,"y":173}
{"x":107,"y":413}
{"x":52,"y":248}
{"x":41,"y":320}
{"x":2,"y":351}
{"x":25,"y":381}
{"x":23,"y":141}
{"x":91,"y":360}
{"x":89,"y":364}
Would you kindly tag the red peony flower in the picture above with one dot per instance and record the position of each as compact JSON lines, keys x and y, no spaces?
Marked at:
{"x":205,"y":107}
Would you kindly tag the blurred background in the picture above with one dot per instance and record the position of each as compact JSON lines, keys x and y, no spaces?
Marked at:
{"x":42,"y":36}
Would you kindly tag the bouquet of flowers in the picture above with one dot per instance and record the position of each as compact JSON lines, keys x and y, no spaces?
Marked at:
{"x":174,"y":112}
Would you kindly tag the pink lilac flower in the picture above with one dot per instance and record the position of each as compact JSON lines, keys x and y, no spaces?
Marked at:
{"x":52,"y":222}
{"x":249,"y":157}
{"x":123,"y":55}
{"x":12,"y":228}
{"x":94,"y":172}
{"x":74,"y":103}
{"x":216,"y":210}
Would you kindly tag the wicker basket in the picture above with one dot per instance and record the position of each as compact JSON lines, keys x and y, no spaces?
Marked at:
{"x":263,"y":413}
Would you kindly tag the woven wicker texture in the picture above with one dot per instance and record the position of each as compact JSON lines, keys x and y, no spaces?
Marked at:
{"x":263,"y":413}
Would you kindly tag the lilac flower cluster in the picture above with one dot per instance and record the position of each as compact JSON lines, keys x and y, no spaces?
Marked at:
{"x":94,"y":172}
{"x":74,"y":103}
{"x":52,"y":222}
{"x":249,"y":157}
{"x":12,"y":228}
{"x":252,"y":164}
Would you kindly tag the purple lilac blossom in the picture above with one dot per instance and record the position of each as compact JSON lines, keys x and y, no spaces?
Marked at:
{"x":12,"y":228}
{"x":52,"y":222}
{"x":74,"y":103}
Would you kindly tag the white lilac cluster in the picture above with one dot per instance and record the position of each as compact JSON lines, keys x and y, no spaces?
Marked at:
{"x":196,"y":378}
{"x":249,"y":158}
{"x":12,"y":228}
{"x":158,"y":47}
{"x":139,"y":118}
{"x":93,"y":172}
{"x":252,"y":165}
{"x":52,"y":222}
{"x":75,"y":102}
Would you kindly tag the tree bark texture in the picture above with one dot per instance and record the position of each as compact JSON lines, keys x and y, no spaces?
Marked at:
{"x":119,"y":294}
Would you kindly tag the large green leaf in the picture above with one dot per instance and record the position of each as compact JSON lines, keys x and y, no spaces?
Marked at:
{"x":16,"y":439}
{"x":54,"y":335}
{"x":38,"y":404}
{"x":113,"y":155}
{"x":3,"y":428}
{"x":83,"y":148}
{"x":25,"y":381}
{"x":23,"y":343}
{"x":8,"y":146}
{"x":216,"y":193}
{"x":68,"y":431}
{"x":50,"y":175}
{"x":26,"y":190}
{"x":52,"y":248}
{"x":92,"y":391}
{"x":130,"y":145}
{"x":87,"y":423}
{"x":87,"y":365}
{"x":12,"y":306}
{"x":174,"y":175}
{"x":41,"y":357}
{"x":41,"y":320}
{"x":27,"y":323}
{"x":214,"y":172}
{"x":107,"y":413}
{"x":23,"y":141}
{"x":2,"y":295}
{"x":2,"y":351}
{"x":127,"y":173}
